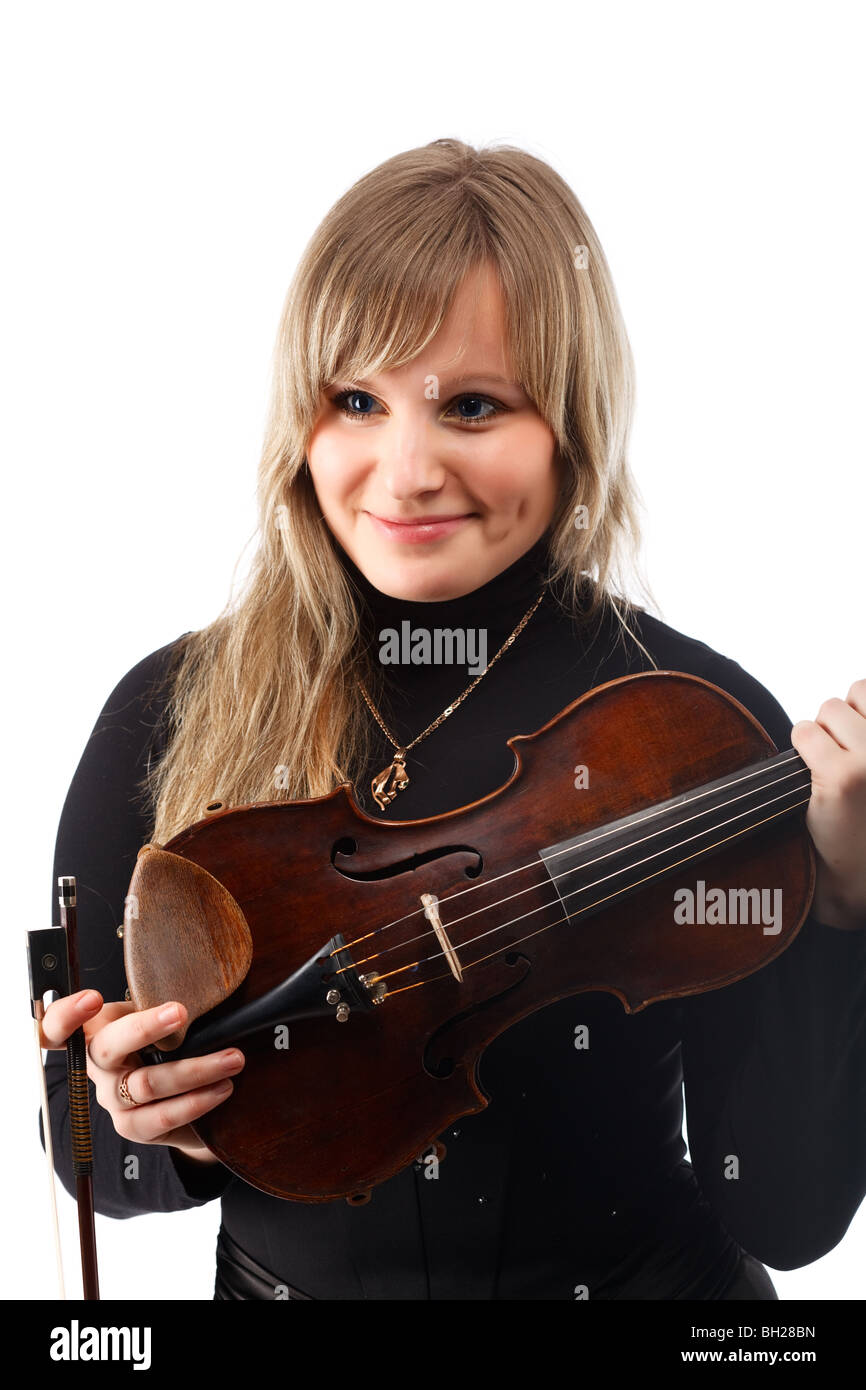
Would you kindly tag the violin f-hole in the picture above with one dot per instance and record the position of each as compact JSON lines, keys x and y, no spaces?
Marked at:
{"x":348,"y":846}
{"x":447,"y":1042}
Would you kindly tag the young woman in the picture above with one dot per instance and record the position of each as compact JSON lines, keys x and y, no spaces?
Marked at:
{"x":447,"y":446}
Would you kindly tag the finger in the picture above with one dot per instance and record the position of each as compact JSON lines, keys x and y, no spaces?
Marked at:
{"x":185,"y":1139}
{"x":857,"y":697}
{"x":844,"y":723}
{"x":166,"y":1079}
{"x":116,"y":1041}
{"x":820,"y":752}
{"x":148,"y":1124}
{"x":63,"y":1016}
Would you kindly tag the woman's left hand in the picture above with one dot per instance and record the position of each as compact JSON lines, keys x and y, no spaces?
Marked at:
{"x":834,"y":748}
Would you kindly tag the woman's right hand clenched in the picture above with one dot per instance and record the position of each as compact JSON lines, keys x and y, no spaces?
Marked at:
{"x":163,"y":1098}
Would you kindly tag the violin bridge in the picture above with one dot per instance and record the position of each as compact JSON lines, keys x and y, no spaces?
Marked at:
{"x":431,"y":912}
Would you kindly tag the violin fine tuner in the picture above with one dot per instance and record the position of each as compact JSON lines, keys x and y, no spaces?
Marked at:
{"x":375,"y":987}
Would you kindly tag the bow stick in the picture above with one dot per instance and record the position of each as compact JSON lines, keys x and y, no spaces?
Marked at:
{"x":52,"y":955}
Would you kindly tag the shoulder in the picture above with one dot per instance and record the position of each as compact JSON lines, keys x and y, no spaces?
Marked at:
{"x":105,"y":800}
{"x":132,"y":716}
{"x":674,"y":651}
{"x":147,"y":680}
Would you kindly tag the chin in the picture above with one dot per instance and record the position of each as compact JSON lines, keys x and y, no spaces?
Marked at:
{"x":416,"y":592}
{"x":430,"y":583}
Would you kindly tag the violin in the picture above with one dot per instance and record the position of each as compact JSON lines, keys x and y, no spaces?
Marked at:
{"x":365,"y":965}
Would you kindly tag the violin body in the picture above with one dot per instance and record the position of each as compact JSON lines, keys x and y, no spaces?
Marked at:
{"x":328,"y":1109}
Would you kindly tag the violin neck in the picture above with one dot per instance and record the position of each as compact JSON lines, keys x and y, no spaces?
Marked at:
{"x":593,"y":869}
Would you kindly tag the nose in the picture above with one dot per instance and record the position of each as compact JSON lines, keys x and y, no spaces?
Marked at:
{"x":408,"y":461}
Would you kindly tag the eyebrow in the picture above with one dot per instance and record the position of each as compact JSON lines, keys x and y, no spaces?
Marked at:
{"x":450,"y":381}
{"x":483,"y":376}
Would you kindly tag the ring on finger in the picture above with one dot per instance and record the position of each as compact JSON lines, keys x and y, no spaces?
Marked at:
{"x":123,"y":1089}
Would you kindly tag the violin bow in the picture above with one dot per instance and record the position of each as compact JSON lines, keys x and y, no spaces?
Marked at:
{"x":52,"y":955}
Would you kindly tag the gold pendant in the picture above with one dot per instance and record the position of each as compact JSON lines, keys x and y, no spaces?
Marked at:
{"x":390,"y":780}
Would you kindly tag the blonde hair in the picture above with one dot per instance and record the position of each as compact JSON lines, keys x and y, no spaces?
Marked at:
{"x":270,"y":683}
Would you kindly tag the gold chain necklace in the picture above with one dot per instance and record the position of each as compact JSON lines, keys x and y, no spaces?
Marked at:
{"x":394,"y":778}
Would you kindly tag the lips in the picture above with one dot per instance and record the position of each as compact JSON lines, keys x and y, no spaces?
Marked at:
{"x":415,"y":530}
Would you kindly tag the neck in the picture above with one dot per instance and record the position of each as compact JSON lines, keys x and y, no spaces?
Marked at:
{"x":497,"y":605}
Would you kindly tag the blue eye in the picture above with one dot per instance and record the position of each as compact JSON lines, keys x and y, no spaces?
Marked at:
{"x":482,"y":401}
{"x":342,"y":399}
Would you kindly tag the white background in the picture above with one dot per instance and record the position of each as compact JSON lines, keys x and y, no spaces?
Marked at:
{"x":163,"y":168}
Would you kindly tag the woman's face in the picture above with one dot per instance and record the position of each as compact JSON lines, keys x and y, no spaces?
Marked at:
{"x":442,"y":473}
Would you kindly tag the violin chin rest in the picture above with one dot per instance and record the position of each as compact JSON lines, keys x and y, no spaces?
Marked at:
{"x":185,"y":938}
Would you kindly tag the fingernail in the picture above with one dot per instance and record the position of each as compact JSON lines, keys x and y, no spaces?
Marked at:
{"x":87,"y":1002}
{"x":170,"y":1014}
{"x":232,"y":1058}
{"x":223,"y":1088}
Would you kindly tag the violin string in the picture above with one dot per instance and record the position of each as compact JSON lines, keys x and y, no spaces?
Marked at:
{"x":632,"y":844}
{"x":651,"y":814}
{"x":552,"y":877}
{"x":509,"y":946}
{"x":551,"y":902}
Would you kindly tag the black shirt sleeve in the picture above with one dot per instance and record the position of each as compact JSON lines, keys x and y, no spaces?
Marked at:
{"x":775,"y":1074}
{"x":106,"y":818}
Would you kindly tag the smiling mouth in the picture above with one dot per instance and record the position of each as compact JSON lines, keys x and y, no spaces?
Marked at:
{"x":422,"y":528}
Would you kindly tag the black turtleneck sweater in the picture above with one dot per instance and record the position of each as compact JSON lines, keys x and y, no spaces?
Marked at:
{"x":575,"y":1176}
